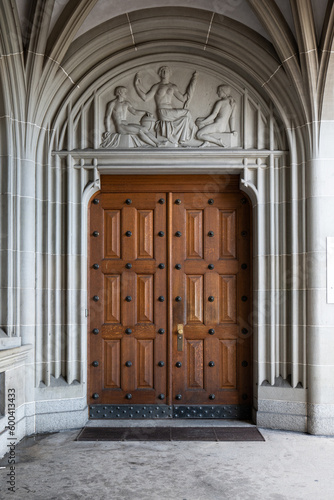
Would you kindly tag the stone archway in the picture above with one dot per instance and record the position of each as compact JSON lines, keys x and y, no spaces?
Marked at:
{"x":260,"y":156}
{"x":61,"y":169}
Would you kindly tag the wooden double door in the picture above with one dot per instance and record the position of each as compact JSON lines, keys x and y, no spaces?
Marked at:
{"x":169,"y":292}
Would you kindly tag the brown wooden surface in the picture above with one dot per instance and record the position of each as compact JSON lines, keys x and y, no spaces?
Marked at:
{"x":228,"y":348}
{"x":227,"y":249}
{"x":113,"y":282}
{"x":170,"y":183}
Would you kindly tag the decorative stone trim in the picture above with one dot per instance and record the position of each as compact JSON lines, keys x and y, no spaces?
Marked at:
{"x":10,"y":358}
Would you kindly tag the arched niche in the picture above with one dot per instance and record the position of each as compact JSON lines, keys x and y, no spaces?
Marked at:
{"x":260,"y":158}
{"x":269,"y":173}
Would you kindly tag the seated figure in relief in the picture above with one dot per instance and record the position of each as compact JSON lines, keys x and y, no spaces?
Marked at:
{"x":220,"y":121}
{"x":117,"y":110}
{"x":175,"y":124}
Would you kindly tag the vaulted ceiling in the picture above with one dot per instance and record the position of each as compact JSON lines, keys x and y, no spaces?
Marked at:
{"x":58,"y":40}
{"x":239,"y":10}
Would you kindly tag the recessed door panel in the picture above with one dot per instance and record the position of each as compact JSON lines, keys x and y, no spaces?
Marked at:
{"x":112,"y":368}
{"x":227,"y":364}
{"x":195,"y":353}
{"x":194,"y":234}
{"x":112,"y":303}
{"x":195,"y":290}
{"x":145,"y":300}
{"x":145,"y":363}
{"x":112,"y":240}
{"x":227,"y":299}
{"x":228,"y":243}
{"x":145,"y":234}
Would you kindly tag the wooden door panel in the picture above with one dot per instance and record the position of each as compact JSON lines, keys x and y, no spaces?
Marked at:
{"x":112,"y":303}
{"x":179,"y":311}
{"x":207,"y":235}
{"x":211,"y":363}
{"x":179,"y":225}
{"x":211,"y":290}
{"x":195,"y":291}
{"x":223,"y":331}
{"x":145,"y":234}
{"x":132,"y":289}
{"x":227,"y":299}
{"x":112,"y":364}
{"x":129,"y":381}
{"x":215,"y":289}
{"x":129,"y":236}
{"x":195,"y":358}
{"x":145,"y":363}
{"x":112,"y":241}
{"x":211,"y":235}
{"x":228,"y":244}
{"x":138,"y":266}
{"x":96,"y":309}
{"x":129,"y":299}
{"x":145,"y":298}
{"x":220,"y":266}
{"x":194,"y":234}
{"x":227,"y":364}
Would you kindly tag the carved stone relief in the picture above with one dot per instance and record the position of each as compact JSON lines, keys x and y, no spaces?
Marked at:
{"x":171,"y":123}
{"x":219,"y":127}
{"x":138,"y":134}
{"x":149,"y":107}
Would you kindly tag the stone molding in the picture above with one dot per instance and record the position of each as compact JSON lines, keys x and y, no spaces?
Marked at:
{"x":7,"y":341}
{"x":259,"y":172}
{"x":106,"y":161}
{"x":11,"y":358}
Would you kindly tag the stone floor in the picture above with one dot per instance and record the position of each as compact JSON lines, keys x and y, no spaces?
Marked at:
{"x":286,"y":466}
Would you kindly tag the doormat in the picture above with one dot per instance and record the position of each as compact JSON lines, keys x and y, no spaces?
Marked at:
{"x":170,"y":434}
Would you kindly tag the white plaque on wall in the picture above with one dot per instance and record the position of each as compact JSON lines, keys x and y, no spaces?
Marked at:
{"x":330,"y":270}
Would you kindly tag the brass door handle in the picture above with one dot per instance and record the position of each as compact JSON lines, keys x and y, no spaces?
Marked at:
{"x":180,"y":337}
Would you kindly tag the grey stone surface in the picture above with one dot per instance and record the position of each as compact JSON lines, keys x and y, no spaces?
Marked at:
{"x":282,"y":407}
{"x":282,"y":394}
{"x":55,"y":406}
{"x":5,"y":438}
{"x":286,"y":466}
{"x":50,"y":422}
{"x":321,"y":426}
{"x":320,"y":410}
{"x":297,"y":423}
{"x":60,"y":392}
{"x":320,"y":419}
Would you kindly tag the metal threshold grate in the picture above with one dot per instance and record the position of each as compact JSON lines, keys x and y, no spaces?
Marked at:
{"x":170,"y":434}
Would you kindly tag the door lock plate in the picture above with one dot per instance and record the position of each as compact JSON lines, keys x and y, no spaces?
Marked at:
{"x":180,"y":337}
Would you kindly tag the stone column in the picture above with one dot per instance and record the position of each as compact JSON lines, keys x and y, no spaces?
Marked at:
{"x":320,"y":226}
{"x":320,"y":313}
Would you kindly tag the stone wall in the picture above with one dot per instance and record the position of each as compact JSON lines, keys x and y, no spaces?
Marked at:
{"x":56,"y":82}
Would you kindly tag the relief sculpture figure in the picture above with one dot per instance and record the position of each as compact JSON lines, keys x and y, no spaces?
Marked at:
{"x":174,"y":124}
{"x":117,"y":110}
{"x":219,"y":127}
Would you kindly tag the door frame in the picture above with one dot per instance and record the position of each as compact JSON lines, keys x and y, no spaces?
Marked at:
{"x":201,"y":183}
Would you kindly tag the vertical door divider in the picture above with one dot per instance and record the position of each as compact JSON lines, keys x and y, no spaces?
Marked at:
{"x":169,"y":292}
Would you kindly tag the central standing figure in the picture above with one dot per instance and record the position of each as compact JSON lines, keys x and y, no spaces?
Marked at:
{"x":175,"y":124}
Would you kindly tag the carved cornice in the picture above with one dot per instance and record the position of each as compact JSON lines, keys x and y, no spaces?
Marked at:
{"x":14,"y":357}
{"x":148,"y":161}
{"x":168,"y":160}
